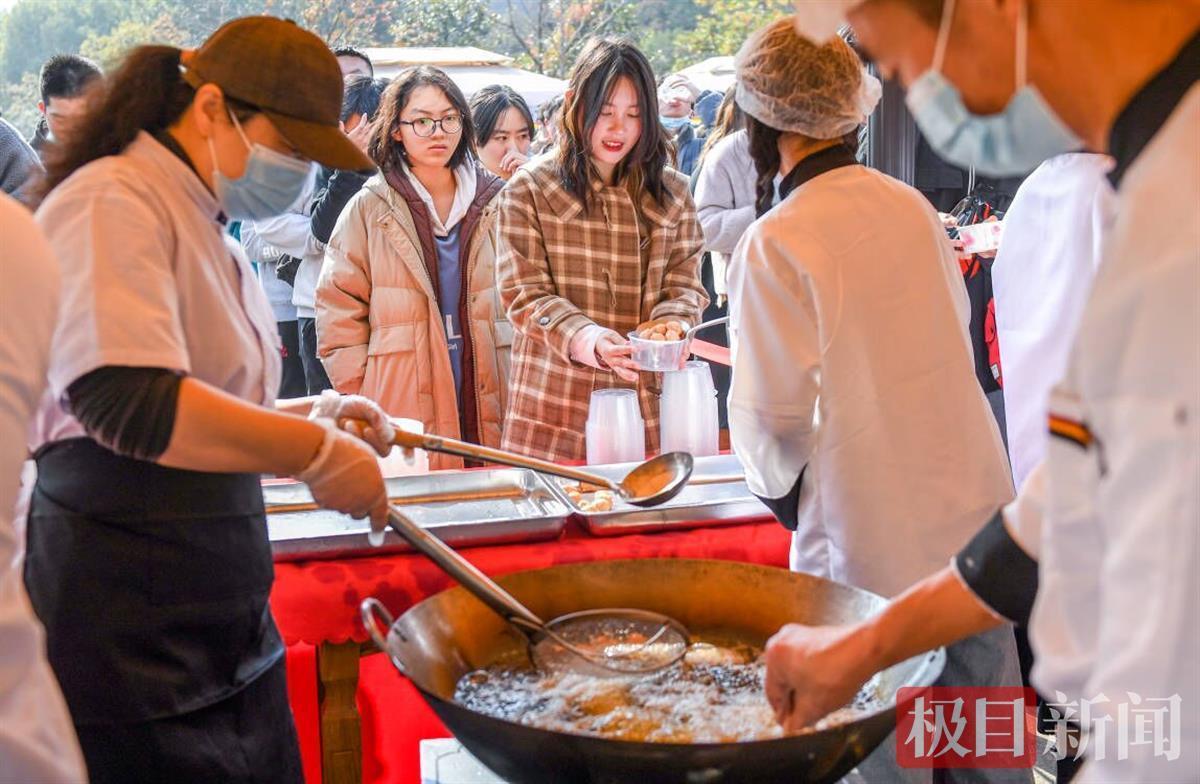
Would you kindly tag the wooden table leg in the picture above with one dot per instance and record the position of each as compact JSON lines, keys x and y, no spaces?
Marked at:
{"x":341,"y":735}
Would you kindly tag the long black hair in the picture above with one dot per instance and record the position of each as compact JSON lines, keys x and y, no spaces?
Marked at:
{"x":593,"y":78}
{"x":389,"y":153}
{"x":764,"y":150}
{"x":489,"y":105}
{"x":145,"y":93}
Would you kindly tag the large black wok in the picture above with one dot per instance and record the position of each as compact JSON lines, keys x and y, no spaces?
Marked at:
{"x":450,"y":634}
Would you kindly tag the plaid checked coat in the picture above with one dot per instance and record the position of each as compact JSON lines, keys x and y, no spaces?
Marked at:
{"x":561,"y":266}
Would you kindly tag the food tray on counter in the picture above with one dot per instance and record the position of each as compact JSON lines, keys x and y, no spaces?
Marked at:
{"x":463,"y":508}
{"x":720,"y":497}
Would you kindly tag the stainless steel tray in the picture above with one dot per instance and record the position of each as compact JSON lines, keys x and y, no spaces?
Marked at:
{"x":700,"y":505}
{"x":462,"y":507}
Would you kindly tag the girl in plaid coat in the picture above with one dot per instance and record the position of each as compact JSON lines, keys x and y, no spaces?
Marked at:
{"x":596,"y":239}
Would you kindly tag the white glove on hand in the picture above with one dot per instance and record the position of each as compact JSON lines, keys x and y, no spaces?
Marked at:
{"x":344,"y":476}
{"x":378,"y":433}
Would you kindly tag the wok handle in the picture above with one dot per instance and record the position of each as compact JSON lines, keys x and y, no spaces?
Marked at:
{"x":372,"y":611}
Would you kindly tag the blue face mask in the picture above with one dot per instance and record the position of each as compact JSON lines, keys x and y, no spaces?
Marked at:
{"x":271,"y":183}
{"x":1012,"y":142}
{"x":675,"y":123}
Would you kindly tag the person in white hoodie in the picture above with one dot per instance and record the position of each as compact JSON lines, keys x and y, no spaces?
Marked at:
{"x":268,"y":244}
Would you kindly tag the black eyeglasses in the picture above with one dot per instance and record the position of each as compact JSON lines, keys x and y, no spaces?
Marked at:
{"x":423,"y":127}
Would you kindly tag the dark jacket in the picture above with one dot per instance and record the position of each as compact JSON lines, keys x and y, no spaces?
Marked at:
{"x":339,"y":186}
{"x":687,"y":149}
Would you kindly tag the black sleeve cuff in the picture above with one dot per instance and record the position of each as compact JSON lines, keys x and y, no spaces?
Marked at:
{"x":127,"y":409}
{"x":786,"y":508}
{"x":999,"y":572}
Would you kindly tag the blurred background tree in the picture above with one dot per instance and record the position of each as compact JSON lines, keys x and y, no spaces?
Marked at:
{"x":444,"y":23}
{"x":721,"y":27}
{"x":543,"y":35}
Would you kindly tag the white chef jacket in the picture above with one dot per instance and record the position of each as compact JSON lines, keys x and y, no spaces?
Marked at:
{"x":1118,"y":537}
{"x":1041,"y":279}
{"x":37,"y":740}
{"x":852,"y":362}
{"x":162,"y":285}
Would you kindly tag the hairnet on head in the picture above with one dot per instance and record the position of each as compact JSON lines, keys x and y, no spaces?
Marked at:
{"x":791,"y":84}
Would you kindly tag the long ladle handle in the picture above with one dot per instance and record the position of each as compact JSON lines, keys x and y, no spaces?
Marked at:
{"x":450,"y":446}
{"x":465,"y":572}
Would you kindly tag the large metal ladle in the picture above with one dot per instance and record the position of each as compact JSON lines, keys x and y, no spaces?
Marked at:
{"x":654,"y":482}
{"x":561,"y":643}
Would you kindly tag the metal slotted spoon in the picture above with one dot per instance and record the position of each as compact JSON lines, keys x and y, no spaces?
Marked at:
{"x":606,"y":641}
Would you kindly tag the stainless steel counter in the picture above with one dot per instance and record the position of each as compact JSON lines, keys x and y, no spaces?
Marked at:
{"x":462,"y":507}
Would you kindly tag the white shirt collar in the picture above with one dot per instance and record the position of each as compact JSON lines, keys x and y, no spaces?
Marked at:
{"x":464,"y":194}
{"x":146,"y":147}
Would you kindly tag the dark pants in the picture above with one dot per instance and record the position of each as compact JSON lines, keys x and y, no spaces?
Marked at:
{"x":249,"y":737}
{"x":722,"y":374}
{"x":291,"y":383}
{"x":315,"y":377}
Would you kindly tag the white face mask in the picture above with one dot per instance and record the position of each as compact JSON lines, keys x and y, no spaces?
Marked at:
{"x":1012,"y":142}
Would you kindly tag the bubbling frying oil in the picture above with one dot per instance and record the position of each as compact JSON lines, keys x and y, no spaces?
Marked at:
{"x":715,"y":695}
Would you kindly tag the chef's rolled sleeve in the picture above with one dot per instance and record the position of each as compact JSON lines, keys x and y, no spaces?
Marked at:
{"x":1000,"y":574}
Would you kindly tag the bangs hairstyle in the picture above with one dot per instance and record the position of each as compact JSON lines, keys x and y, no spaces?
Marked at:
{"x":388,"y":153}
{"x":593,"y":79}
{"x":490,"y":103}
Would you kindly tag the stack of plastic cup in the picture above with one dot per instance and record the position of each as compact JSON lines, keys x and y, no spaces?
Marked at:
{"x":615,"y":430}
{"x":688,"y":422}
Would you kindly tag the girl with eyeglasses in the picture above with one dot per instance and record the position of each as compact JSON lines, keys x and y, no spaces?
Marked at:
{"x":407,"y":313}
{"x":596,"y":240}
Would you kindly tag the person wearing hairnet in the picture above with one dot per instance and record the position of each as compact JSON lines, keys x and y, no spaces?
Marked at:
{"x":1099,"y":553}
{"x":854,"y":405}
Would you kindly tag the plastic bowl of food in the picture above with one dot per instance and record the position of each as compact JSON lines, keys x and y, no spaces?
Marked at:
{"x":660,"y":347}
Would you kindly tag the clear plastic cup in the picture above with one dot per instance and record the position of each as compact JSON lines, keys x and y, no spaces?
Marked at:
{"x":657,"y":355}
{"x":688,"y":420}
{"x":615,"y":431}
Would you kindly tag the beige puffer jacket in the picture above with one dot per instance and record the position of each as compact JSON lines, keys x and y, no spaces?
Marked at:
{"x":379,"y":329}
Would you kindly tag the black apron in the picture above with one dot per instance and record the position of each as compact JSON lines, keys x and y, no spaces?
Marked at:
{"x":153,"y":586}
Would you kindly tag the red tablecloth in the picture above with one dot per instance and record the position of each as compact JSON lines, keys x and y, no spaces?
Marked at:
{"x":317,"y":602}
